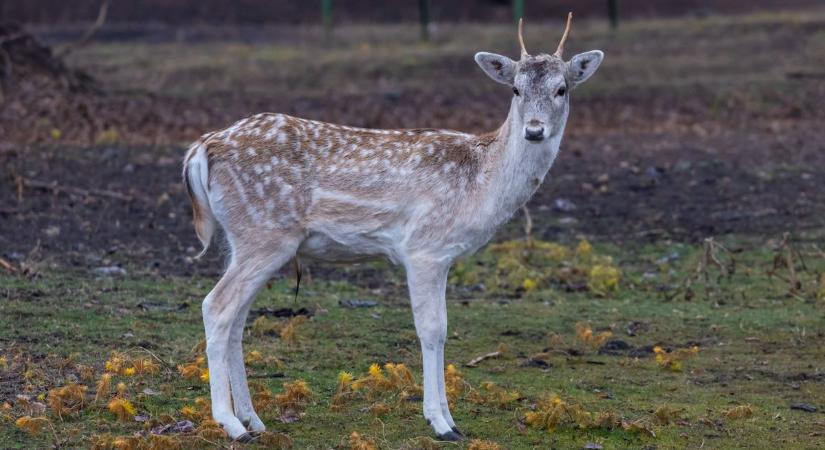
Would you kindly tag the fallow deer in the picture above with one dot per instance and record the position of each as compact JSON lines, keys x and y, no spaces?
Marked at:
{"x":282,"y":187}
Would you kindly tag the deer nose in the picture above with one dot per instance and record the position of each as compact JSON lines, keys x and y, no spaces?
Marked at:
{"x":534,"y":132}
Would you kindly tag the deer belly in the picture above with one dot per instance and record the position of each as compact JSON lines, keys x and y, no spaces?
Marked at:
{"x":324,"y":247}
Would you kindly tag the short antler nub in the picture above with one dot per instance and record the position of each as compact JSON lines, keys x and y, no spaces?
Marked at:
{"x":521,"y":37}
{"x":560,"y":49}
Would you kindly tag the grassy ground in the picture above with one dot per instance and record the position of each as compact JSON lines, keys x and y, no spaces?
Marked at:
{"x":759,"y":346}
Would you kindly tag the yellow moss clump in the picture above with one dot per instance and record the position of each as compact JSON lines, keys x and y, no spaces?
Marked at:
{"x":86,"y":373}
{"x":264,"y":325}
{"x":586,"y":336}
{"x":478,"y":444}
{"x":254,"y":357}
{"x":200,"y":411}
{"x":739,"y":412}
{"x":31,"y":425}
{"x":263,"y":400}
{"x":530,"y":265}
{"x":277,"y":441}
{"x":673,"y":360}
{"x":343,"y":391}
{"x":195,"y":370}
{"x":289,"y":333}
{"x":294,"y":397}
{"x":68,"y":399}
{"x":454,"y":383}
{"x":291,"y":402}
{"x":379,"y":409}
{"x":104,"y":385}
{"x":116,"y":363}
{"x":150,"y":442}
{"x":493,"y":395}
{"x":121,"y":364}
{"x":191,"y":413}
{"x":145,"y":366}
{"x":603,"y":279}
{"x":122,"y":408}
{"x":390,"y":385}
{"x":358,"y":442}
{"x":820,"y":292}
{"x":551,"y":412}
{"x":210,"y":430}
{"x":584,"y":249}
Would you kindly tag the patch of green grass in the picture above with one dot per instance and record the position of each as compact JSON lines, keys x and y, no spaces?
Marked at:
{"x":759,"y":346}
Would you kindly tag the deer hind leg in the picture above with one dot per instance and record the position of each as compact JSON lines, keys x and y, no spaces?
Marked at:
{"x":427,"y":281}
{"x":241,"y":400}
{"x":223,"y":308}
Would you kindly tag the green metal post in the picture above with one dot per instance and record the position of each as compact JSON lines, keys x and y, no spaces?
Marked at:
{"x":613,"y":12}
{"x":326,"y":19}
{"x":518,"y":10}
{"x":424,"y":17}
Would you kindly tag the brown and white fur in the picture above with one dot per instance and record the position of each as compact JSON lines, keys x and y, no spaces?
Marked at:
{"x":281,"y":186}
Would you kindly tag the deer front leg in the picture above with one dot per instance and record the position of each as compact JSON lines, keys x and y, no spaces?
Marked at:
{"x":442,"y":391}
{"x":427,"y":281}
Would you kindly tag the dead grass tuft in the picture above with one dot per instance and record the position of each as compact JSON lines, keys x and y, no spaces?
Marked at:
{"x":478,"y":444}
{"x":67,"y":400}
{"x":122,"y":408}
{"x":586,"y":336}
{"x":673,"y":361}
{"x":358,"y":442}
{"x":491,"y":394}
{"x":31,"y":425}
{"x":739,"y":412}
{"x":552,"y":412}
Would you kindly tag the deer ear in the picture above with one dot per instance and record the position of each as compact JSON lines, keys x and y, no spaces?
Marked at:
{"x":499,"y":68}
{"x":583,"y":65}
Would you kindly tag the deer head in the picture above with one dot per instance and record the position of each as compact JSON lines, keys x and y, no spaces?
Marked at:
{"x":541,"y":84}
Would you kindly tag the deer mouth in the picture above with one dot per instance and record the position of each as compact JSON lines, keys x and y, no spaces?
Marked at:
{"x":534,"y":133}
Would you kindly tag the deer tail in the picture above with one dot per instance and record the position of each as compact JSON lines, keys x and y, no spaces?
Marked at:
{"x":196,"y":179}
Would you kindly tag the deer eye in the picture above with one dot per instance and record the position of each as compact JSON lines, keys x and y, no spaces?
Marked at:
{"x":562,"y":90}
{"x":515,"y":90}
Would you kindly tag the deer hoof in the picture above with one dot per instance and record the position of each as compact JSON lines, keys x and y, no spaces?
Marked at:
{"x":244,"y":438}
{"x":451,"y":436}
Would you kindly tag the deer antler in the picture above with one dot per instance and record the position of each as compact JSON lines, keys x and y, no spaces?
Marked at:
{"x":560,"y":49}
{"x":521,"y":37}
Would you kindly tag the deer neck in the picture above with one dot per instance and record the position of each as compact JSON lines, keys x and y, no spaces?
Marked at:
{"x":518,"y":167}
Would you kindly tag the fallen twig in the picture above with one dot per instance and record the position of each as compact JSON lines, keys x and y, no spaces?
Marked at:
{"x":7,"y":265}
{"x":87,"y":36}
{"x":474,"y":362}
{"x":784,"y":259}
{"x":54,"y":187}
{"x":709,"y":257}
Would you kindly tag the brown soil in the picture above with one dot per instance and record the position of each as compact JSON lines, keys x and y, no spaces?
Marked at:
{"x":112,"y":205}
{"x":637,"y":164}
